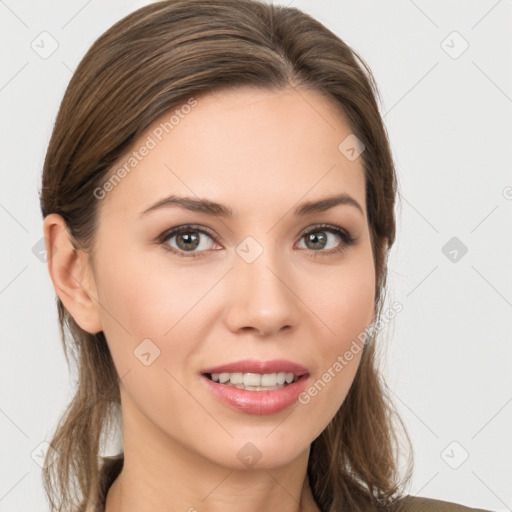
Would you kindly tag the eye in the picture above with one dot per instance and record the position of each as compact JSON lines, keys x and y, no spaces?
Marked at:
{"x":195,"y":241}
{"x":188,"y":238}
{"x":317,"y":239}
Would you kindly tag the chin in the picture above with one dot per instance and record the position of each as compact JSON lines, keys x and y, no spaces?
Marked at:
{"x":259,"y":451}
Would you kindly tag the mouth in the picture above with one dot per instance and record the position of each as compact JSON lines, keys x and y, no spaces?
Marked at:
{"x":254,"y":381}
{"x":256,"y":387}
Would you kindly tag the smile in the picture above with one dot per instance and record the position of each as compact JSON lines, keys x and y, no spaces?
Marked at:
{"x":256,"y":387}
{"x":254,"y":381}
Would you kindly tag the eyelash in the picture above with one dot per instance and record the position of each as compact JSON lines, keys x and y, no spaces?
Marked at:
{"x":347,"y":239}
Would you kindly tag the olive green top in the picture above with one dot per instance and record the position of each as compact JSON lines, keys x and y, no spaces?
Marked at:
{"x":112,"y":467}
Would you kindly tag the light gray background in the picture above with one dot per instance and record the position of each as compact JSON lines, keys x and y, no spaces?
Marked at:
{"x":449,"y":358}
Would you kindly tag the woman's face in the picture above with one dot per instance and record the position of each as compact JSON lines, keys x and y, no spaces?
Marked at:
{"x":267,"y":285}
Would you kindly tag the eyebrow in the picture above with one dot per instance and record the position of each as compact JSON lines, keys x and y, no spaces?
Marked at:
{"x":219,"y":210}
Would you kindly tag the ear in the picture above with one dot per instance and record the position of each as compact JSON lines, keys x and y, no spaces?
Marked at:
{"x":71,"y":274}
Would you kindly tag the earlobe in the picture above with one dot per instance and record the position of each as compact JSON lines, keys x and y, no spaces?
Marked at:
{"x":71,"y":274}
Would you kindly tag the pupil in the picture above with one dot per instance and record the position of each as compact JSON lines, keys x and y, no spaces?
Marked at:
{"x":315,"y":239}
{"x":191,"y":240}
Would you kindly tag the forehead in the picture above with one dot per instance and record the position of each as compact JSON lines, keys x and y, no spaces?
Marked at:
{"x":249,"y":148}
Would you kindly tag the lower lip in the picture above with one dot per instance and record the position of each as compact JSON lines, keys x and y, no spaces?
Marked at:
{"x":257,"y":402}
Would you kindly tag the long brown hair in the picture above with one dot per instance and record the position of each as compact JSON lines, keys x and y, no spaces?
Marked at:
{"x":150,"y":62}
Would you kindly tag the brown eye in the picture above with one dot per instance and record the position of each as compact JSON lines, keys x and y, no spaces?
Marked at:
{"x":322,"y":239}
{"x":189,"y":241}
{"x":316,"y":240}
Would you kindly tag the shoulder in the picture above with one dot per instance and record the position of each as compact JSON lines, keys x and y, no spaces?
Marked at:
{"x":419,"y":504}
{"x":112,"y":466}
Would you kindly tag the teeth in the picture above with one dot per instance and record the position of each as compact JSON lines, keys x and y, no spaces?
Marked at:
{"x":254,"y":381}
{"x":268,"y":379}
{"x":236,"y":378}
{"x":223,"y":377}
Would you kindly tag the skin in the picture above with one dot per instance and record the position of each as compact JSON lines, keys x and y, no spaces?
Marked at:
{"x":262,"y":154}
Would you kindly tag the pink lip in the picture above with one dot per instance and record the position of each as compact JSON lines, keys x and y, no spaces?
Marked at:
{"x":255,"y":366}
{"x":258,"y":402}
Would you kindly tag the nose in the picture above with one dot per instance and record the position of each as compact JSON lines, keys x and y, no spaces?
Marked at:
{"x":262,"y":297}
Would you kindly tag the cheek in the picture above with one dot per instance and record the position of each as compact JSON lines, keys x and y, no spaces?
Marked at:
{"x":146,"y":316}
{"x":343,"y":299}
{"x":344,"y":302}
{"x":143,"y":301}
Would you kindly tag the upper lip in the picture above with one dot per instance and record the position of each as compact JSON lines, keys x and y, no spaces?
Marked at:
{"x":262,"y":367}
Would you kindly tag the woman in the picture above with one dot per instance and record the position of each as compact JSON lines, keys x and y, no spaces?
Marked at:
{"x":218,"y":199}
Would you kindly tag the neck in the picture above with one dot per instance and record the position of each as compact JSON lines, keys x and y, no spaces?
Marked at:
{"x":160,"y":474}
{"x":270,"y":491}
